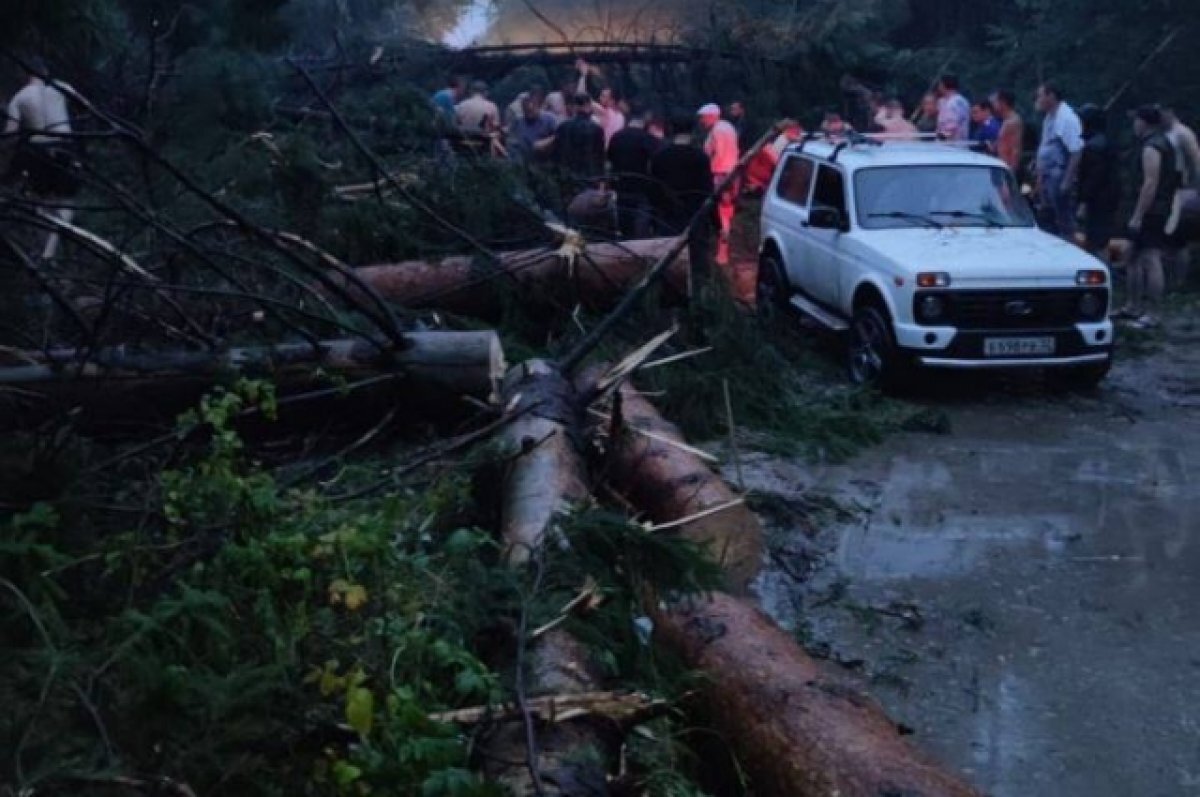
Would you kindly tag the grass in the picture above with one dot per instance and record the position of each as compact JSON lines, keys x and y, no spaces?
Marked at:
{"x":784,"y":387}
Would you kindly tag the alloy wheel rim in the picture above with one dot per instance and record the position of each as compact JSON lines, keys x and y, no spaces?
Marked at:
{"x":866,"y":361}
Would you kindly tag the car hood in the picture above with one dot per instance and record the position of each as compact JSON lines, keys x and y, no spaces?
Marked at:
{"x":977,"y":255}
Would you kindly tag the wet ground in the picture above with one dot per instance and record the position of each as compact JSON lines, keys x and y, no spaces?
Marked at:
{"x":1023,"y":592}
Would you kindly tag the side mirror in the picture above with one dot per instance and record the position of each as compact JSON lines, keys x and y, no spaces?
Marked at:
{"x":823,"y":217}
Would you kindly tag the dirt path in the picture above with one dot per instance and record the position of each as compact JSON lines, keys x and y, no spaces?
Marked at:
{"x":1023,"y":592}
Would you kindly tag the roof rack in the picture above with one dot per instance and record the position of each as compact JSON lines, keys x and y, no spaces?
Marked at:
{"x":855,"y":139}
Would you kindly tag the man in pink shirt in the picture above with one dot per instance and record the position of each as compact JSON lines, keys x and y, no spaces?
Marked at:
{"x":608,"y":115}
{"x":722,"y":150}
{"x":606,"y":110}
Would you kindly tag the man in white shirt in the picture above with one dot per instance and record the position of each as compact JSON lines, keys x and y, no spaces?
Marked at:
{"x":1058,"y":158}
{"x":721,"y":146}
{"x":477,"y":114}
{"x":44,"y":161}
{"x":954,"y":112}
{"x":892,"y":121}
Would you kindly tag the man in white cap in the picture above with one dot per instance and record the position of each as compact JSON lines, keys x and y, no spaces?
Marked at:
{"x":722,"y":149}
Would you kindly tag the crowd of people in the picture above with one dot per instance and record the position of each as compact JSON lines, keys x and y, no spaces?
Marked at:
{"x":1076,"y":177}
{"x":641,"y":174}
{"x":638,"y":174}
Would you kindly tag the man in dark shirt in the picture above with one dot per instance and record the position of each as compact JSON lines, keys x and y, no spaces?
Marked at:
{"x":629,"y":155}
{"x":682,"y":181}
{"x":1099,"y":183}
{"x":532,"y":133}
{"x":579,"y":144}
{"x":985,"y":127}
{"x":1157,"y":179}
{"x":737,"y":118}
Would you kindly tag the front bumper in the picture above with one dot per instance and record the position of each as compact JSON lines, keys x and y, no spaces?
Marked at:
{"x":1081,"y":345}
{"x":1030,"y":362}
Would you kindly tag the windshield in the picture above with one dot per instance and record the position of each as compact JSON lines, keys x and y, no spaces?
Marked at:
{"x":893,"y":197}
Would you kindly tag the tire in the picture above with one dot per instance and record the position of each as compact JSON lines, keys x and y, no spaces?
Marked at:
{"x":770,"y":291}
{"x":872,"y":358}
{"x":1082,"y":379}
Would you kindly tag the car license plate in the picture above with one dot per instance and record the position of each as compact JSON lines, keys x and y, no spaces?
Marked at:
{"x":1018,"y":347}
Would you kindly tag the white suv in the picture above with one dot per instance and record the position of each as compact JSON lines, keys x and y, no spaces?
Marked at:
{"x":928,"y":255}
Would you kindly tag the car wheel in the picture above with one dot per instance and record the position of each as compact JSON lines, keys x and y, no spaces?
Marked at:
{"x":770,"y":292}
{"x":873,"y":359}
{"x":1082,"y":379}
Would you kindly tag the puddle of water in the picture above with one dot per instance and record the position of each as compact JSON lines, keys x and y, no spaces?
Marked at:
{"x":1053,"y":550}
{"x":956,"y":545}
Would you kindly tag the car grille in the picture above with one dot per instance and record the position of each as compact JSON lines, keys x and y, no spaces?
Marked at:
{"x":1008,"y":309}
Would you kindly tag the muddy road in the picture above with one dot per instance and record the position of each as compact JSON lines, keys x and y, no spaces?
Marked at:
{"x":1024,"y":591}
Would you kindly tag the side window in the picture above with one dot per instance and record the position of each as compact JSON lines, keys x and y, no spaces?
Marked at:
{"x":795,"y":181}
{"x":831,"y":189}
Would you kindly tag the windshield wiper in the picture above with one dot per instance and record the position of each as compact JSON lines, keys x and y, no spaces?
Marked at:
{"x":966,"y":214}
{"x":917,"y":217}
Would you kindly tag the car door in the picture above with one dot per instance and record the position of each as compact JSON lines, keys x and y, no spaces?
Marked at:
{"x":825,"y":246}
{"x":789,"y":215}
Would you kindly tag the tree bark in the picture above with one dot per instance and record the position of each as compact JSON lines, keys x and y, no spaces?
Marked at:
{"x":669,"y":483}
{"x":796,"y":729}
{"x":795,"y":726}
{"x":115,"y":384}
{"x":548,"y":476}
{"x":463,"y":284}
{"x":544,"y":480}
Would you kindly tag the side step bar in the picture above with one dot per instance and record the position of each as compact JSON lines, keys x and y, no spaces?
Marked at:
{"x":819,"y":314}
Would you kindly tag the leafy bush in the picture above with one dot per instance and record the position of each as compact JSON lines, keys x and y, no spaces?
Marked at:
{"x":253,"y":640}
{"x":244,"y":638}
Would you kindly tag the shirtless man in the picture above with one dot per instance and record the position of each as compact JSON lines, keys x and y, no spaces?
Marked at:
{"x":1187,"y":160}
{"x":44,"y":161}
{"x":1010,"y":143}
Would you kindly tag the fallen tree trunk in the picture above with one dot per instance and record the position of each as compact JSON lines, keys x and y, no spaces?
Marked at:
{"x":796,"y":728}
{"x":544,"y":480}
{"x":598,"y":278}
{"x":652,"y":466}
{"x":547,"y":478}
{"x":112,"y":384}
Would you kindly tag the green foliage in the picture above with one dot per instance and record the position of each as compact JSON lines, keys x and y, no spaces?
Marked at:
{"x":229,"y":646}
{"x":247,"y":639}
{"x":783,"y":387}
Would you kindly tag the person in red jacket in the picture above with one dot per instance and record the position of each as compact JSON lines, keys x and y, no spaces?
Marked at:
{"x":762,"y":166}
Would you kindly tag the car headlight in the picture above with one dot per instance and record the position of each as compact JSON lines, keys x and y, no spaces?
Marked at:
{"x":932,"y":308}
{"x":933,"y":279}
{"x":1092,"y":306}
